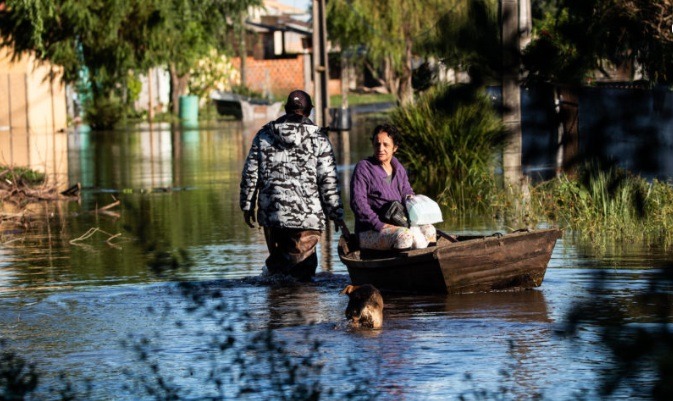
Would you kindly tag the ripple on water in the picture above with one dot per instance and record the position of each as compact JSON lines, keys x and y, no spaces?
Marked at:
{"x":431,"y":347}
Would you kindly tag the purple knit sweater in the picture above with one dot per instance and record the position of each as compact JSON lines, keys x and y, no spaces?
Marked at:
{"x":370,"y":191}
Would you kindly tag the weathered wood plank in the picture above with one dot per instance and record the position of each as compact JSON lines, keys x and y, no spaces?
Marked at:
{"x":517,"y":260}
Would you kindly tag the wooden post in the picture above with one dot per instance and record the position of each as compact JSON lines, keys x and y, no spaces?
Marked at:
{"x":320,"y":64}
{"x":345,"y":81}
{"x":150,"y":95}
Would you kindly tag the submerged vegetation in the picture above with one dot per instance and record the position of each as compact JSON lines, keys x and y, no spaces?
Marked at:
{"x":21,"y":174}
{"x":20,"y":185}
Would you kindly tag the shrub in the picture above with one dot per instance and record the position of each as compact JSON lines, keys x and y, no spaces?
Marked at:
{"x":22,"y":175}
{"x":608,"y":203}
{"x":450,"y":140}
{"x":104,"y":113}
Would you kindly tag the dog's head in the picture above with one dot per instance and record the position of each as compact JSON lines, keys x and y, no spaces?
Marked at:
{"x":365,"y":306}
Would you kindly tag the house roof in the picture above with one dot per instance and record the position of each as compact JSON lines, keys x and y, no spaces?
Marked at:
{"x":280,"y":8}
{"x":276,"y":16}
{"x":281,"y":24}
{"x":276,"y":8}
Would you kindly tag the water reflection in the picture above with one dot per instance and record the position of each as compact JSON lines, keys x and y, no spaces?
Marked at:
{"x":178,"y":212}
{"x":155,"y":157}
{"x":40,"y":150}
{"x":520,"y":306}
{"x":69,"y":306}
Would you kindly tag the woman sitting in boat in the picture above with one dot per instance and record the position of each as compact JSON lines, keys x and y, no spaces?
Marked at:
{"x":376,"y":182}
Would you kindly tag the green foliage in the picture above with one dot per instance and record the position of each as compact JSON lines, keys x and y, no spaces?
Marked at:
{"x":246,"y":92}
{"x":22,"y":175}
{"x":450,"y":139}
{"x":133,"y":87}
{"x":468,"y":38}
{"x":608,"y":203}
{"x":106,"y":39}
{"x":214,"y":71}
{"x":104,"y":113}
{"x":355,"y":99}
{"x":390,"y":32}
{"x":18,"y":378}
{"x":576,"y":38}
{"x":558,"y":54}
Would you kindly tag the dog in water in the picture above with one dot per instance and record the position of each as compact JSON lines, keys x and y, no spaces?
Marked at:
{"x":365,"y":306}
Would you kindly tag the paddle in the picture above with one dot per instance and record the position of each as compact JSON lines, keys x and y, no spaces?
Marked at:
{"x":351,"y":239}
{"x":451,"y":238}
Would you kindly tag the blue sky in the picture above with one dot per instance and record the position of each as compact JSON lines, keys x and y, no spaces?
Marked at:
{"x":297,"y":3}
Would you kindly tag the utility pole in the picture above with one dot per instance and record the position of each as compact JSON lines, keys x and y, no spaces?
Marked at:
{"x":320,"y":64}
{"x":515,"y":15}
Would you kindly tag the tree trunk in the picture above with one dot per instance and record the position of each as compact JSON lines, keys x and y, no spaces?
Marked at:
{"x":405,"y":89}
{"x":375,"y":74}
{"x":178,"y":87}
{"x":391,"y":79}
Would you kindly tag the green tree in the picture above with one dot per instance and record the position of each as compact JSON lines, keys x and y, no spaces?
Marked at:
{"x":107,"y":39}
{"x":451,"y":135}
{"x":389,"y":31}
{"x":468,"y":39}
{"x":577,"y":38}
{"x":191,"y":29}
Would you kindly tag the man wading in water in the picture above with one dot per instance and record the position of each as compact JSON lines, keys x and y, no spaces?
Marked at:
{"x":290,"y":172}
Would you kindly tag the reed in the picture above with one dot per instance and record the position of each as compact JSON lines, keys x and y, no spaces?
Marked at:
{"x":452,"y":135}
{"x":608,"y":203}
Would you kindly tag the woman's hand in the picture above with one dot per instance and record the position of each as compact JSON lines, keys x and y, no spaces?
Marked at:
{"x":340,"y":224}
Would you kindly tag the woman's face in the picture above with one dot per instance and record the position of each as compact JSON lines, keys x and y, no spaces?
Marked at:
{"x":384,"y":148}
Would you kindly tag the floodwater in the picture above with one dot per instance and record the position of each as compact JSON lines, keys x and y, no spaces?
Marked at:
{"x":160,"y":296}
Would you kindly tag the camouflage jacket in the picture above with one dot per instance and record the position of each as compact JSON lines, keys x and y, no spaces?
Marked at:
{"x":291,"y":172}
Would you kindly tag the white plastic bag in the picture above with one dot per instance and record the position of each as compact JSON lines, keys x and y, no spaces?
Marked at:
{"x":420,"y":242}
{"x":423,"y":210}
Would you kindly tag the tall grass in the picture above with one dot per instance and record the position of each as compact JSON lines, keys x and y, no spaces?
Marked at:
{"x":608,"y":203}
{"x":451,"y":137}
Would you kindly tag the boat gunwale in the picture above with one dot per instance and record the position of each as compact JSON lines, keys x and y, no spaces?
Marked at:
{"x":442,"y":245}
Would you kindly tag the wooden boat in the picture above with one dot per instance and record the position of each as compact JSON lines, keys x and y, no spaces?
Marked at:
{"x":460,"y":264}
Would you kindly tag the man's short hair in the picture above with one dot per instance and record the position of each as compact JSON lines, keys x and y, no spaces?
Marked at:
{"x":299,"y":102}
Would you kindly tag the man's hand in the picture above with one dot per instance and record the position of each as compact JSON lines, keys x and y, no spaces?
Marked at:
{"x":249,"y":216}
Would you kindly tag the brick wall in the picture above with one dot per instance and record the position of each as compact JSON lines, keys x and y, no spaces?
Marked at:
{"x":279,"y":77}
{"x":275,"y":76}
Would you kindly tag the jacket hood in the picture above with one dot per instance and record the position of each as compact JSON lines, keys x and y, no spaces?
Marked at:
{"x":291,"y":134}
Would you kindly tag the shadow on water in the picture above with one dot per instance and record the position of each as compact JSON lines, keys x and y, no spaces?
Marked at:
{"x":519,"y":306}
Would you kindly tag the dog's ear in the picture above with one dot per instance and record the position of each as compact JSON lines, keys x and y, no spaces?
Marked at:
{"x":348,"y":289}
